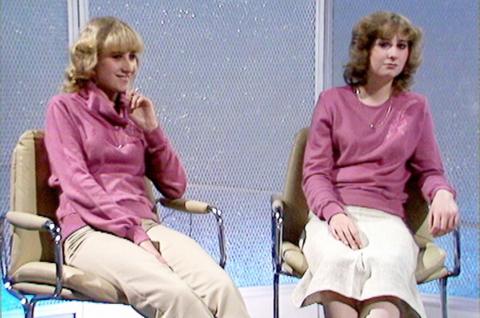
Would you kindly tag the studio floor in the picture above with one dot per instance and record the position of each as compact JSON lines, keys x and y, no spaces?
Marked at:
{"x":258,"y":299}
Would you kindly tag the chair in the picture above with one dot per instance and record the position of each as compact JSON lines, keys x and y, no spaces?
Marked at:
{"x":35,"y":252}
{"x":289,"y":217}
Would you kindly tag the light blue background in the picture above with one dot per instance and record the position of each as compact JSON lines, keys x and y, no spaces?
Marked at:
{"x":233,"y":81}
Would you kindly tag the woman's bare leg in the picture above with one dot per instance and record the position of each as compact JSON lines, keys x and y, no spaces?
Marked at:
{"x":337,"y":309}
{"x":381,"y":309}
{"x":337,"y":306}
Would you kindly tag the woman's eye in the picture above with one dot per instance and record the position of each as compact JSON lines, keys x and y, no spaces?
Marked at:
{"x":402,"y":46}
{"x":132,"y":56}
{"x":384,"y":44}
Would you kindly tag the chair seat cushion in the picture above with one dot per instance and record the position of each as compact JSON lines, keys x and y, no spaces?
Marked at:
{"x":430,"y":262}
{"x":42,"y":289}
{"x":93,"y":287}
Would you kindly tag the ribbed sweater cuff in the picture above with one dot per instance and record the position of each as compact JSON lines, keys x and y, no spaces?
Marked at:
{"x":155,"y":137}
{"x":330,"y":209}
{"x":136,"y":234}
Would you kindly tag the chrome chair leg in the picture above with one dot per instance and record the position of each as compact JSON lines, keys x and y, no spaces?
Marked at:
{"x":276,"y":278}
{"x":28,"y":309}
{"x":442,"y":282}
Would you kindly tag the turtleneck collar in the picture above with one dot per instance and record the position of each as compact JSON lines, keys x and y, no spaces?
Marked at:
{"x":98,"y":102}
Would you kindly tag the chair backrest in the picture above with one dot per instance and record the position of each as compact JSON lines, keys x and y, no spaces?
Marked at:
{"x":30,"y":192}
{"x":296,"y":208}
{"x":295,"y":204}
{"x":416,"y":213}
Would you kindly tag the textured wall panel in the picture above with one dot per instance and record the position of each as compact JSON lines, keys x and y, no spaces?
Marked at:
{"x":33,"y":50}
{"x":232,"y":81}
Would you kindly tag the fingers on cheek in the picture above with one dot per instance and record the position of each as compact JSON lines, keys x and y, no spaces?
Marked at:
{"x":134,"y":102}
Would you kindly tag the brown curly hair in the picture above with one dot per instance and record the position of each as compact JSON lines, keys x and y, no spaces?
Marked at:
{"x":100,"y":36}
{"x":382,"y":25}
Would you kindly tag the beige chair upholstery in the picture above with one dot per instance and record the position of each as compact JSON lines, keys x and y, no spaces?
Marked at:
{"x":290,"y":215}
{"x":33,"y":268}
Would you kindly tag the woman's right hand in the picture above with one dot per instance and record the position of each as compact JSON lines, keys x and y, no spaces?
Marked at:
{"x":343,"y":228}
{"x":149,"y":247}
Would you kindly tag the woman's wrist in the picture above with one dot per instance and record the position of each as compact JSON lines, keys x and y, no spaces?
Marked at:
{"x":443,"y":193}
{"x":149,"y":127}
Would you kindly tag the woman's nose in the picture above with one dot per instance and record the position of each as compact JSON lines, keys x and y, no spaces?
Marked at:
{"x":393,"y":53}
{"x":128,"y":65}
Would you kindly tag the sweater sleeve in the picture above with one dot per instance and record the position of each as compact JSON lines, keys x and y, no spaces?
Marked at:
{"x":318,"y":165}
{"x":426,"y":160}
{"x":85,"y":194}
{"x":163,"y":165}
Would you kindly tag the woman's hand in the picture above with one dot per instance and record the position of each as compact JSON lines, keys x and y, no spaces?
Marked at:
{"x":142,"y":111}
{"x":343,"y":228}
{"x":443,"y":216}
{"x":149,"y":247}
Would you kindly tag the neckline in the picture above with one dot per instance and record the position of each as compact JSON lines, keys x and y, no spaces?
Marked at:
{"x":99,"y":103}
{"x":373,"y":107}
{"x":375,"y":124}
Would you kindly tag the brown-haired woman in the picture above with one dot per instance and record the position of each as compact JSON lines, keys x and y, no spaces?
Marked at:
{"x":365,"y":141}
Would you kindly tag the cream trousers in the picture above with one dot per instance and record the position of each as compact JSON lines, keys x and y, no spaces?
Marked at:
{"x":193,"y":285}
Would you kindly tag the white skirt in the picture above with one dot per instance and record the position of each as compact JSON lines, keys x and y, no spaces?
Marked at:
{"x":385,"y":266}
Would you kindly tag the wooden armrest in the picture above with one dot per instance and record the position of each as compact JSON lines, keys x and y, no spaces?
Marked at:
{"x":28,"y":221}
{"x":191,"y":206}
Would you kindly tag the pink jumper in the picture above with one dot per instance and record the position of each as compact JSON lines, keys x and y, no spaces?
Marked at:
{"x":99,"y":158}
{"x":349,"y":163}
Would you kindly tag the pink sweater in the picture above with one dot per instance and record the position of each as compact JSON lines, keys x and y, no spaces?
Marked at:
{"x":348,"y":163}
{"x":99,"y":159}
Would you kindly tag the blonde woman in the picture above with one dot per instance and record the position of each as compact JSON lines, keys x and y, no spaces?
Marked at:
{"x":102,"y":140}
{"x":365,"y":141}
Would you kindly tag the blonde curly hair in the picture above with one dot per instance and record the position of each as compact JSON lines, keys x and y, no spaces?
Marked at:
{"x":382,"y":25}
{"x":100,"y":36}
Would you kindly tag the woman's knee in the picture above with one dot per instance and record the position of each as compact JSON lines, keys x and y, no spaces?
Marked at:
{"x":222,"y":284}
{"x":176,"y":301}
{"x":380,"y":309}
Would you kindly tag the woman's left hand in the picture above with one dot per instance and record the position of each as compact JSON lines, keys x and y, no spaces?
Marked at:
{"x":444,"y":216}
{"x":142,"y":111}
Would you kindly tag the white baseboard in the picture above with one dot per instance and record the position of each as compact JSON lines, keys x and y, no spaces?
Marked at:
{"x":259,"y":302}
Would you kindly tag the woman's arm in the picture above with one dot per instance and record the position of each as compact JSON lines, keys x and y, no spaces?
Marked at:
{"x":318,"y":165}
{"x":162,"y":163}
{"x":317,"y":179}
{"x":427,"y":164}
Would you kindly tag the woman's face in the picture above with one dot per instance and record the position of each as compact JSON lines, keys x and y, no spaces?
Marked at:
{"x":388,"y":58}
{"x":115,"y":72}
